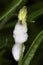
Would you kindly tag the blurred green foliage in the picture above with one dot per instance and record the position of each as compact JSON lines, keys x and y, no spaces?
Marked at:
{"x":8,"y":17}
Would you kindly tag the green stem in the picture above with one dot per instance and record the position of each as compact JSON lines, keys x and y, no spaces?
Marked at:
{"x":21,"y":55}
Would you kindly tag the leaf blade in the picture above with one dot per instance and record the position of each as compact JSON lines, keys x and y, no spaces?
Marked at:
{"x":31,"y":52}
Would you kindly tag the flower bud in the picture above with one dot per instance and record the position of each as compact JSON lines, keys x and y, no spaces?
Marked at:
{"x":20,"y":33}
{"x":16,"y":51}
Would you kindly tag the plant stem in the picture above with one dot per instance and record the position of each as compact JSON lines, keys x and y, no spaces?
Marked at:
{"x":21,"y":55}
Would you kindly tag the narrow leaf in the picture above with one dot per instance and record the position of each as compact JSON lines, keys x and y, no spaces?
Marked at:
{"x":17,"y":2}
{"x":31,"y":52}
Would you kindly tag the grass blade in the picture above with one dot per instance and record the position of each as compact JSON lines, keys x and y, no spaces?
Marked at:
{"x":31,"y":52}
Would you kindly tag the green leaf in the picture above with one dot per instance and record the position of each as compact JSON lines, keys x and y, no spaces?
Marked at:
{"x":7,"y":24}
{"x":31,"y":52}
{"x":14,"y":4}
{"x":34,"y":15}
{"x":34,"y":11}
